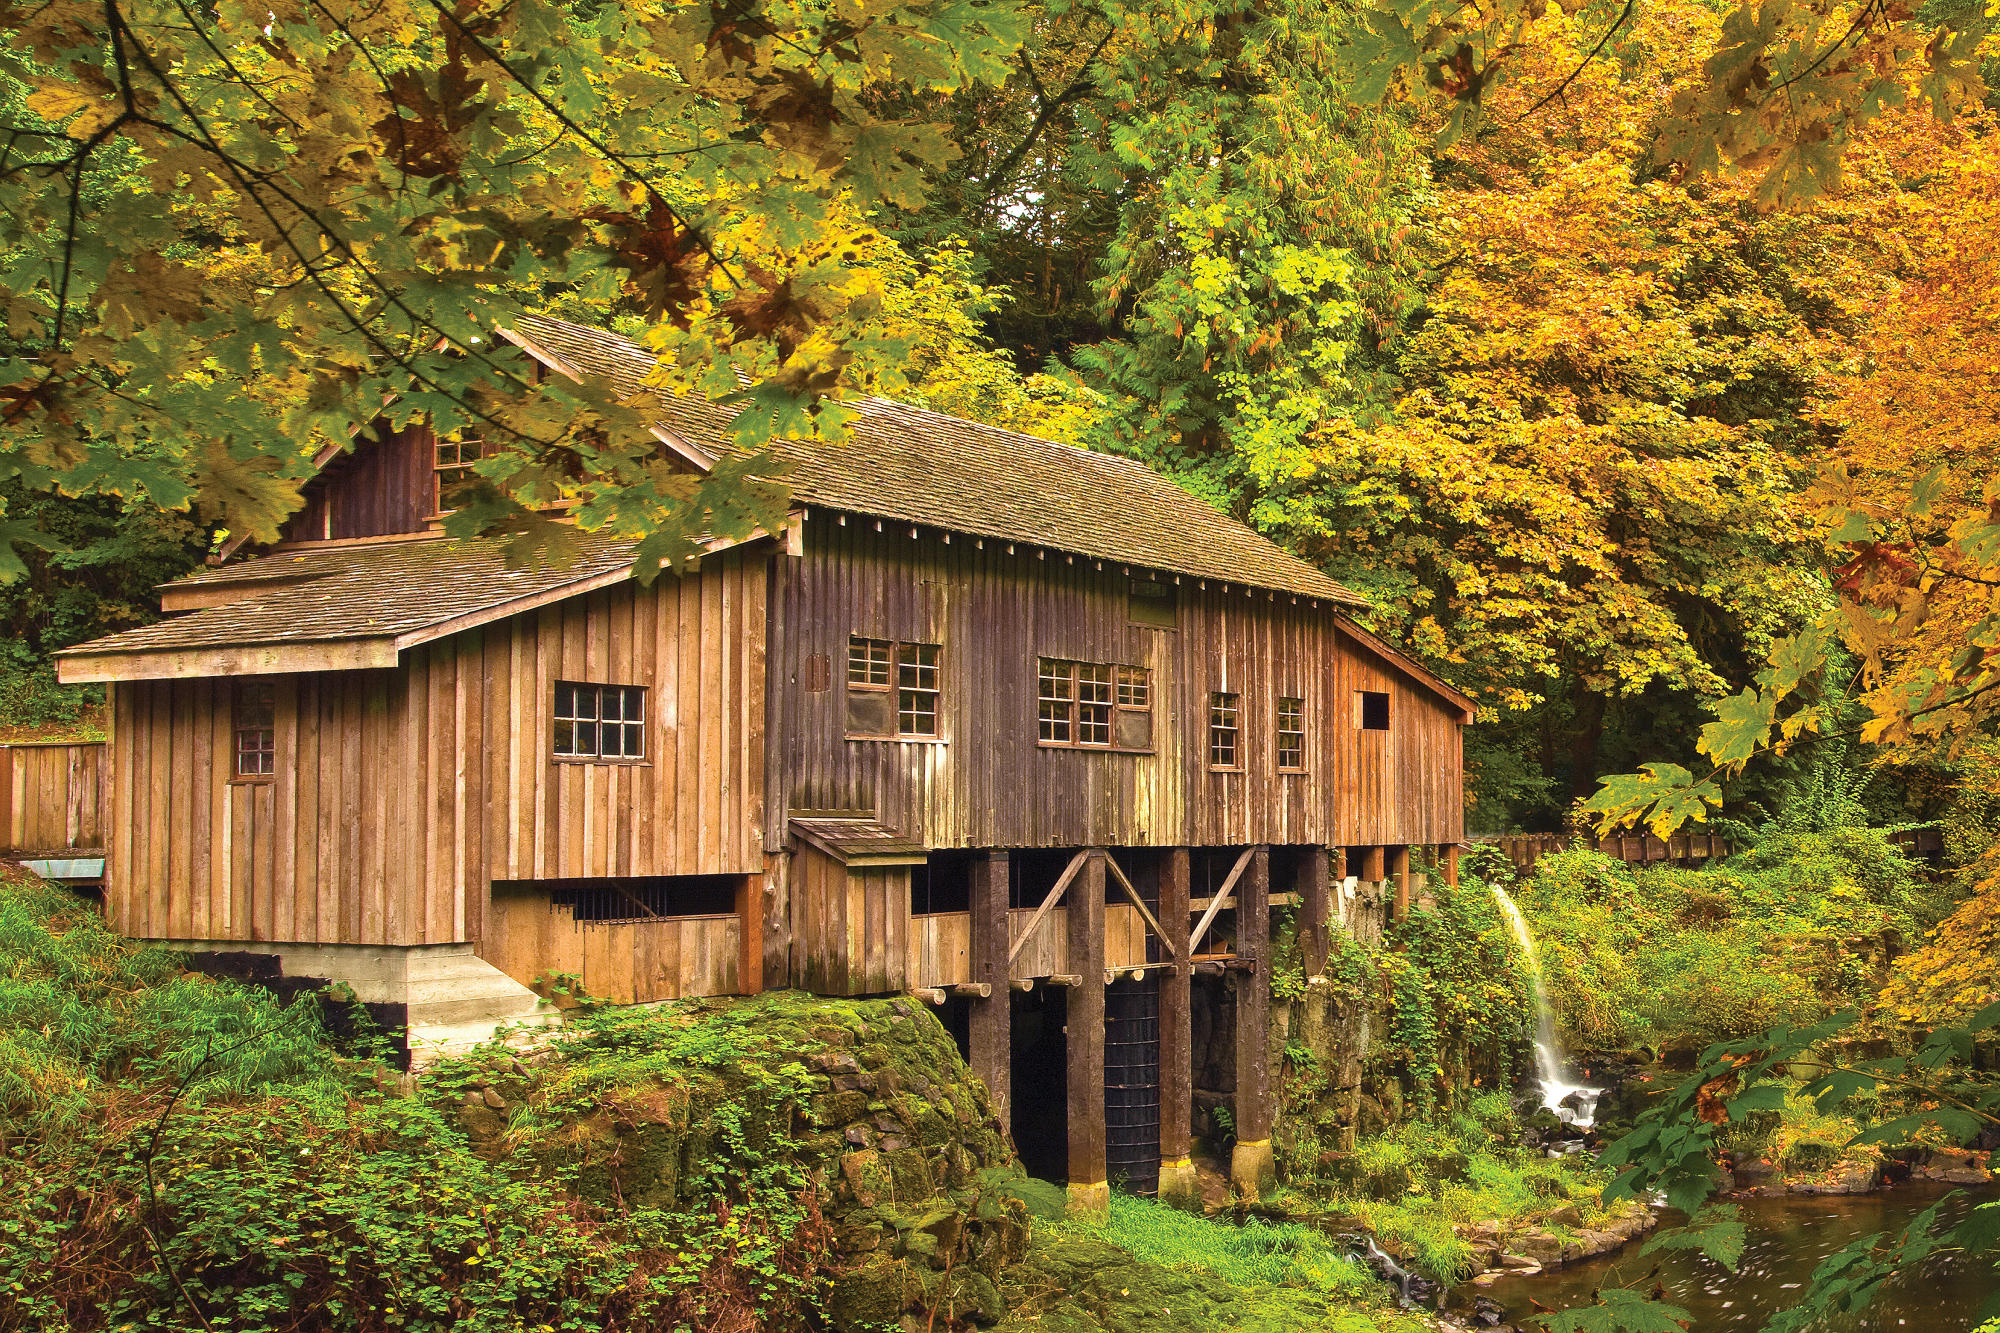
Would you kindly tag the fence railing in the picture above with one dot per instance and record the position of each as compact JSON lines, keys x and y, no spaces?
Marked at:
{"x":51,"y":797}
{"x":1524,"y":849}
{"x":1686,"y":849}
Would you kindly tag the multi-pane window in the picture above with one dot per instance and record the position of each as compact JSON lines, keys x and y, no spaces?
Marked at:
{"x":1101,"y":705}
{"x":1093,"y":703}
{"x":892,"y":688}
{"x":452,"y":464}
{"x":255,"y":723}
{"x":600,"y":721}
{"x":1371,"y":710}
{"x":1225,"y":730}
{"x":1291,"y":734}
{"x":1057,"y":712}
{"x":916,"y":689}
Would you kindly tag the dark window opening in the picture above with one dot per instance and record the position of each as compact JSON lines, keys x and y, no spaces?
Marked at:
{"x":1033,"y":871}
{"x":1371,"y":710}
{"x":255,"y":721}
{"x":600,"y":721}
{"x":637,"y":897}
{"x":942,"y":884}
{"x":1151,"y":604}
{"x":1225,"y":730}
{"x":1291,"y":734}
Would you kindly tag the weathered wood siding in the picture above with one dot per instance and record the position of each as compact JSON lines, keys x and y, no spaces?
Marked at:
{"x":626,"y":962}
{"x":851,"y":925}
{"x":987,"y":783}
{"x":50,"y":797}
{"x":377,"y":489}
{"x":400,"y":795}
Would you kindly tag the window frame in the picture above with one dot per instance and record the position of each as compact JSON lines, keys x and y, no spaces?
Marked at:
{"x":1120,"y":682}
{"x":1234,"y":729}
{"x":242,"y":724}
{"x":459,"y":468}
{"x":1296,"y":732}
{"x":884,"y":674}
{"x":627,"y":725}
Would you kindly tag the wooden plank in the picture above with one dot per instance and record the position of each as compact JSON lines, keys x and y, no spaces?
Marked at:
{"x":991,"y":1037}
{"x":1145,"y":912}
{"x":1254,"y":1107}
{"x":1219,"y":899}
{"x":1088,"y":1169}
{"x":1176,"y":1038}
{"x":1076,"y":864}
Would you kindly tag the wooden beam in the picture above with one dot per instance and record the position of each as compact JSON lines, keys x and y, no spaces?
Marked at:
{"x":81,"y":666}
{"x":1316,"y":911}
{"x":1215,"y":903}
{"x":750,"y":928}
{"x":1177,"y":1179}
{"x":992,"y":1042}
{"x":1076,"y":863}
{"x":1372,"y":861}
{"x":1399,"y":869}
{"x":1089,"y":1172}
{"x":1251,"y":1167}
{"x":1152,"y":922}
{"x":1451,"y":851}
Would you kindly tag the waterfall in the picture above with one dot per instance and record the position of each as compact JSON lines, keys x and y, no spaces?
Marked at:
{"x":1550,"y":1069}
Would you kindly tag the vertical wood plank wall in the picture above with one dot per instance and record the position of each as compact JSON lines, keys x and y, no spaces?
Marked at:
{"x":51,"y":797}
{"x":990,"y":785}
{"x":400,"y":795}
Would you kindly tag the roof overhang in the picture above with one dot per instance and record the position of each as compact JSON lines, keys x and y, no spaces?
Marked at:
{"x":1467,"y":707}
{"x":858,"y":841}
{"x":80,"y":666}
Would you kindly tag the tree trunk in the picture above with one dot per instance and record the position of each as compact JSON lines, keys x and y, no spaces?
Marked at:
{"x":1587,"y":729}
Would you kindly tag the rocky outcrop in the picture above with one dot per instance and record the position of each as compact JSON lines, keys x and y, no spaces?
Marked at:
{"x":1563,"y":1237}
{"x":867,"y":1099}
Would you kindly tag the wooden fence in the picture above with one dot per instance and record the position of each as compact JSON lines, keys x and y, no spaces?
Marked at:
{"x":51,"y":798}
{"x":1524,"y":849}
{"x":1685,"y":849}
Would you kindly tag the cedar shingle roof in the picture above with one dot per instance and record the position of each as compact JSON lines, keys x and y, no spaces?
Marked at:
{"x":376,"y":592}
{"x":917,"y":466}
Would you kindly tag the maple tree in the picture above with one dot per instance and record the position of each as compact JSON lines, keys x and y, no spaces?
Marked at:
{"x":230,"y":232}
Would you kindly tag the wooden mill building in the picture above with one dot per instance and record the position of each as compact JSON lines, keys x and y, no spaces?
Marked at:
{"x":1013,"y":725}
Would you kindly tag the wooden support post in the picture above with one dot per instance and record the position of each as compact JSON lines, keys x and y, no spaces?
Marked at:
{"x":992,"y":1041}
{"x":1399,"y":869}
{"x":750,"y":939}
{"x":1315,"y":909}
{"x":1177,"y":1182}
{"x":1450,"y":860}
{"x":1251,"y":1166}
{"x":1372,"y":861}
{"x":1089,"y":1172}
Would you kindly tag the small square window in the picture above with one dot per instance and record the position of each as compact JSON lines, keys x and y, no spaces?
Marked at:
{"x":917,"y":689}
{"x":1225,"y":712}
{"x":1057,"y":713}
{"x":452,"y":460}
{"x":1291,"y":734}
{"x":1371,"y":710}
{"x":892,"y":688}
{"x":600,"y":721}
{"x":1093,"y":703}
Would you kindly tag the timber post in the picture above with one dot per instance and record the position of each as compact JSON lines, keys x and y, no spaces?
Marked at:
{"x":1315,"y":910}
{"x":1089,"y":1171}
{"x":1399,"y":868}
{"x":1450,"y":862}
{"x":1177,"y":1180}
{"x":1252,"y":1168}
{"x":992,"y":1040}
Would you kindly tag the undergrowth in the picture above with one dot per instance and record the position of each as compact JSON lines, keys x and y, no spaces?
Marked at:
{"x":180,"y":1152}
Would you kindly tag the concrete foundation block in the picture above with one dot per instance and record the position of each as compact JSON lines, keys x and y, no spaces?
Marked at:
{"x":1253,"y":1170}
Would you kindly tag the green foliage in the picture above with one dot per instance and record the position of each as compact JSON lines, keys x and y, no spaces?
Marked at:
{"x":1798,"y":926}
{"x":182,"y":1151}
{"x":1452,"y":979}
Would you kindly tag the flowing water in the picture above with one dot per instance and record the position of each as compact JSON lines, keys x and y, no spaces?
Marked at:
{"x":1787,"y":1237}
{"x":1573,"y":1103}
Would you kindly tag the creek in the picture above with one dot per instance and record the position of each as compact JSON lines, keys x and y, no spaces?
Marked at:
{"x":1788,"y":1236}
